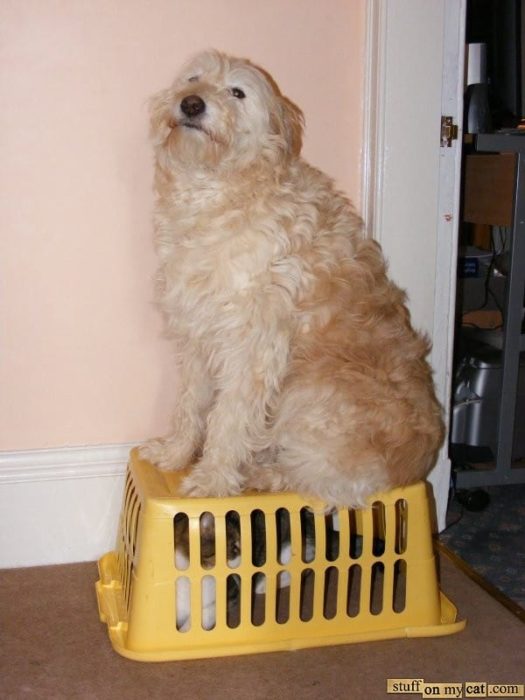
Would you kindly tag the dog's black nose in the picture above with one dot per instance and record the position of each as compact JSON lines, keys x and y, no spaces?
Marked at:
{"x":192,"y":105}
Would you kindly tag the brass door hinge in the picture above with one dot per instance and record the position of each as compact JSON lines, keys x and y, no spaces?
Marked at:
{"x":449,"y":131}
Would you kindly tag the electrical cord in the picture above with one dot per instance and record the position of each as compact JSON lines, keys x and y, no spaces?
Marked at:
{"x":451,"y":496}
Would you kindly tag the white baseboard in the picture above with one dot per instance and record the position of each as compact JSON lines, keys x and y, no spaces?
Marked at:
{"x":60,"y":505}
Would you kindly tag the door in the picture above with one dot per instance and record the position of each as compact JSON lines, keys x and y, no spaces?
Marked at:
{"x":411,"y":184}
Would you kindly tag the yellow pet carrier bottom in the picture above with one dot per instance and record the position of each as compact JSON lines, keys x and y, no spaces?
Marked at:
{"x":202,"y":577}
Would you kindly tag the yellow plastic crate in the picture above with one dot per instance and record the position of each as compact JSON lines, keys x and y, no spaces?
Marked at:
{"x":352,"y":576}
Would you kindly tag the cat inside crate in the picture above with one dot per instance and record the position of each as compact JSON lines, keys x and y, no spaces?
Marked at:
{"x":256,"y":548}
{"x":233,"y":556}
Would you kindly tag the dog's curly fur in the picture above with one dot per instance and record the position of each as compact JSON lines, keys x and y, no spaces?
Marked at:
{"x":299,"y":367}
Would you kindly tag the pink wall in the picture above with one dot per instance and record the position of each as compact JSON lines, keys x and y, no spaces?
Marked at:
{"x":81,"y":357}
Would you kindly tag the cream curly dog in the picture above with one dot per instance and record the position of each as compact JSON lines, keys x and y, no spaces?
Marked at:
{"x":299,"y":367}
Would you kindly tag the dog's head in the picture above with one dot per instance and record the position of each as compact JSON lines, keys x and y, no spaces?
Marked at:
{"x":224,"y":112}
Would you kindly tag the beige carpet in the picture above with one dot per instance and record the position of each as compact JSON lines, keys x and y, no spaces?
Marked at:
{"x":53,"y":646}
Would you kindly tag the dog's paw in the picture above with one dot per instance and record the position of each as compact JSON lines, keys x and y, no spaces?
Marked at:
{"x":166,"y":454}
{"x":204,"y":482}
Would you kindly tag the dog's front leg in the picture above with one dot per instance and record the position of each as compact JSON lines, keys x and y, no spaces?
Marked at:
{"x":237,"y":422}
{"x":178,"y":449}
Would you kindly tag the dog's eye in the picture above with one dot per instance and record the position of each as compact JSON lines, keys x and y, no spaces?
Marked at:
{"x":193,"y":79}
{"x":237,"y":92}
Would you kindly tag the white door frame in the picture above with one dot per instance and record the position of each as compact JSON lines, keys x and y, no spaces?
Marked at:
{"x":409,"y":156}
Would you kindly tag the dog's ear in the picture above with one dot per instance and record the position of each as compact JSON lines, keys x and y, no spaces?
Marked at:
{"x":288,"y":122}
{"x":160,"y":115}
